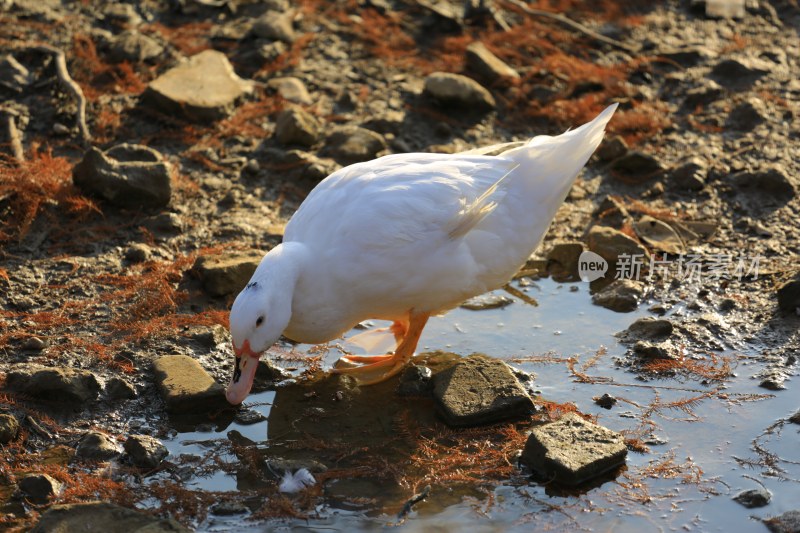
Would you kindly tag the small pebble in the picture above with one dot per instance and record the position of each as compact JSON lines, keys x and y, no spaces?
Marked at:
{"x":34,"y":344}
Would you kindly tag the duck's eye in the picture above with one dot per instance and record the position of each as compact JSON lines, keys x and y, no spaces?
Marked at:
{"x":259,"y":321}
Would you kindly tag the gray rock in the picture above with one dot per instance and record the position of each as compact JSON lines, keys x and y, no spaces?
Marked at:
{"x":727,"y":304}
{"x":770,"y":185}
{"x":773,"y":380}
{"x":34,"y":344}
{"x":747,"y":115}
{"x":455,"y":89}
{"x":39,"y":488}
{"x":135,"y":47}
{"x":13,"y":75}
{"x":307,"y":166}
{"x":687,"y":56}
{"x":724,"y":9}
{"x":651,"y":350}
{"x":353,"y":144}
{"x":275,"y":5}
{"x":636,"y":167}
{"x":479,"y":390}
{"x":247,"y":417}
{"x":390,"y":121}
{"x":611,"y":212}
{"x":562,"y":260}
{"x":484,"y":63}
{"x":789,"y":296}
{"x":276,"y":466}
{"x":56,"y":384}
{"x":164,"y":223}
{"x":275,"y":25}
{"x":227,"y":273}
{"x":486,"y":301}
{"x":203,"y":88}
{"x":571,"y":450}
{"x":738,"y":74}
{"x":229,"y":508}
{"x":127,"y":175}
{"x":610,"y":244}
{"x":9,"y":428}
{"x":185,"y":386}
{"x":121,"y":14}
{"x":648,"y":328}
{"x":102,"y":517}
{"x":542,"y":93}
{"x":271,"y":51}
{"x":788,"y":522}
{"x":622,"y":295}
{"x":606,"y":401}
{"x":689,"y":175}
{"x":119,"y":389}
{"x":612,"y":148}
{"x":754,"y":497}
{"x":795,"y":418}
{"x":415,"y":381}
{"x":267,"y":372}
{"x":138,"y":253}
{"x":96,"y":446}
{"x":296,"y":126}
{"x":290,"y":88}
{"x":702,"y":96}
{"x":145,"y":451}
{"x":207,"y":337}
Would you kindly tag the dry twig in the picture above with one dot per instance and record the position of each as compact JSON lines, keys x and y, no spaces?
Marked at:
{"x":577,"y":26}
{"x":60,"y":63}
{"x":12,"y":133}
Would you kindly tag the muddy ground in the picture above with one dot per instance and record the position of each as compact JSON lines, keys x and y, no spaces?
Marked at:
{"x":704,"y":143}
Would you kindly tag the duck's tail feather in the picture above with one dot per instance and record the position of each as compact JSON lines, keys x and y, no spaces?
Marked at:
{"x":548,"y":165}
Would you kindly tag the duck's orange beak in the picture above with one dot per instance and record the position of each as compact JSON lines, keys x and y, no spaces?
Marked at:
{"x":244,"y":372}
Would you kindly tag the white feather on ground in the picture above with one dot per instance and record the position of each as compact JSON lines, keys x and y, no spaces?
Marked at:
{"x":291,"y":483}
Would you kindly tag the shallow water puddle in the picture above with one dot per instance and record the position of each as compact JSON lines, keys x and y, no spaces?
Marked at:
{"x":379,"y":449}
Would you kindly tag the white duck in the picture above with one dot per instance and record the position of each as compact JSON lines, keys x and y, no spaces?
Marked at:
{"x":402,"y":238}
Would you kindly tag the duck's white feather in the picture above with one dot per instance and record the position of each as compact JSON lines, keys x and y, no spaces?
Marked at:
{"x":409,"y":231}
{"x":426,"y":231}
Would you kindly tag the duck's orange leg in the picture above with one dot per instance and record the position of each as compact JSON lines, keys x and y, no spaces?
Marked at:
{"x":398,"y":329}
{"x":382,"y":368}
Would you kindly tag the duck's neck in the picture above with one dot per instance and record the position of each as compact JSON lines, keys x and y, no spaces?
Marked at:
{"x":279,"y":272}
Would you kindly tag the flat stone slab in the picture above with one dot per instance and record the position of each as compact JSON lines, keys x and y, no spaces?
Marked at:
{"x":204,"y":87}
{"x":101,"y":517}
{"x":54,"y":383}
{"x":227,"y":273}
{"x":479,"y":390}
{"x":186,"y":386}
{"x":573,"y":450}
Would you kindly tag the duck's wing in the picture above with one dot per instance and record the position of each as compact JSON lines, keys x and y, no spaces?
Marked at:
{"x":401,"y":199}
{"x":402,"y":233}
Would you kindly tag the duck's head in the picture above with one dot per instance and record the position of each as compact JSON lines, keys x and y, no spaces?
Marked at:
{"x":257,"y":321}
